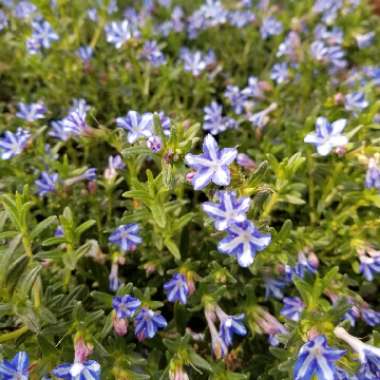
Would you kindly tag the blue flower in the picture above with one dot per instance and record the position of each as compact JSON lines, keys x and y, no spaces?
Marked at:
{"x":261,"y":119}
{"x":24,"y":9}
{"x":293,"y":307}
{"x":254,"y":89}
{"x":113,"y":278}
{"x":372,"y":178}
{"x":243,"y":241}
{"x":120,"y":32}
{"x":126,"y":236}
{"x":214,"y":121}
{"x":236,"y":98}
{"x":47,"y":183}
{"x":274,"y":287}
{"x":59,"y":130}
{"x":89,"y":370}
{"x":355,"y":102}
{"x":280,"y":73}
{"x":371,"y":317}
{"x":270,"y":27}
{"x":147,"y":323}
{"x":230,"y":325}
{"x":153,"y":54}
{"x":85,"y":53}
{"x":137,"y":125}
{"x":196,"y":61}
{"x":229,"y":210}
{"x":3,"y":20}
{"x":306,"y":263}
{"x":365,"y":40}
{"x":369,"y":264}
{"x":369,"y":356}
{"x":327,"y":136}
{"x":13,"y":144}
{"x":75,"y":123}
{"x":16,"y":369}
{"x":125,"y":306}
{"x":31,"y":112}
{"x":212,"y":165}
{"x":317,"y":358}
{"x":43,"y":33}
{"x":213,"y":13}
{"x":154,"y":143}
{"x":177,"y":289}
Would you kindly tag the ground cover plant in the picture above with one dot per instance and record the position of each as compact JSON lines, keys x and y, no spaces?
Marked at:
{"x":189,"y":190}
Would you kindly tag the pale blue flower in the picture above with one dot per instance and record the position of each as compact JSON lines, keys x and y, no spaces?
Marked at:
{"x":137,"y":125}
{"x":280,"y":73}
{"x":16,"y":369}
{"x":317,"y":358}
{"x":270,"y":27}
{"x":176,"y":289}
{"x":147,"y":323}
{"x":126,"y":237}
{"x":125,"y":306}
{"x":212,"y":165}
{"x":228,"y":210}
{"x":13,"y":144}
{"x":327,"y":135}
{"x":46,"y":183}
{"x":355,"y":102}
{"x":293,"y":308}
{"x":120,"y":32}
{"x":243,"y":241}
{"x":31,"y":112}
{"x":89,"y":370}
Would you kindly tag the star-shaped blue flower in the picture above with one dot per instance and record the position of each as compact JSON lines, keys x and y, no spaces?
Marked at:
{"x":16,"y":369}
{"x":89,"y":370}
{"x":125,"y":306}
{"x":243,"y":241}
{"x":177,"y":289}
{"x":147,"y":323}
{"x":212,"y":165}
{"x":293,"y":308}
{"x":126,"y":236}
{"x":229,"y":210}
{"x":231,"y":325}
{"x":317,"y":358}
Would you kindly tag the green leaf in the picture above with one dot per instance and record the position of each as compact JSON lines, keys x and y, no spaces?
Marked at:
{"x":173,"y":249}
{"x":158,"y":214}
{"x":42,"y":226}
{"x":199,"y":362}
{"x":103,"y":298}
{"x":84,"y":227}
{"x":135,"y":150}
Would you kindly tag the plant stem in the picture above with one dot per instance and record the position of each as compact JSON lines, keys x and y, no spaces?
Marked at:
{"x":13,"y":334}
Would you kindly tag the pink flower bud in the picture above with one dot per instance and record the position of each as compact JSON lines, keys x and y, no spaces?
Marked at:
{"x":120,"y":325}
{"x":82,"y":350}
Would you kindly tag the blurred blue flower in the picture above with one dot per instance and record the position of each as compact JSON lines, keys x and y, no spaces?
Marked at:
{"x":317,"y":358}
{"x":369,"y":264}
{"x":43,"y":33}
{"x":243,"y":241}
{"x":125,"y":306}
{"x":196,"y":61}
{"x":365,"y":40}
{"x":31,"y":112}
{"x":147,"y":323}
{"x":230,"y":325}
{"x":89,"y":370}
{"x":126,"y":236}
{"x":152,"y":53}
{"x":212,"y":165}
{"x":274,"y":287}
{"x":214,"y":121}
{"x":355,"y":102}
{"x":280,"y":73}
{"x":3,"y":20}
{"x":327,"y":135}
{"x":369,"y":356}
{"x":229,"y":210}
{"x":236,"y":98}
{"x":16,"y":369}
{"x":154,"y":143}
{"x":270,"y":27}
{"x":85,"y":53}
{"x":137,"y":125}
{"x":372,"y":178}
{"x":24,"y":9}
{"x":120,"y":32}
{"x":176,"y":289}
{"x":13,"y":144}
{"x":307,"y":262}
{"x":293,"y":307}
{"x":370,"y":317}
{"x":47,"y":183}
